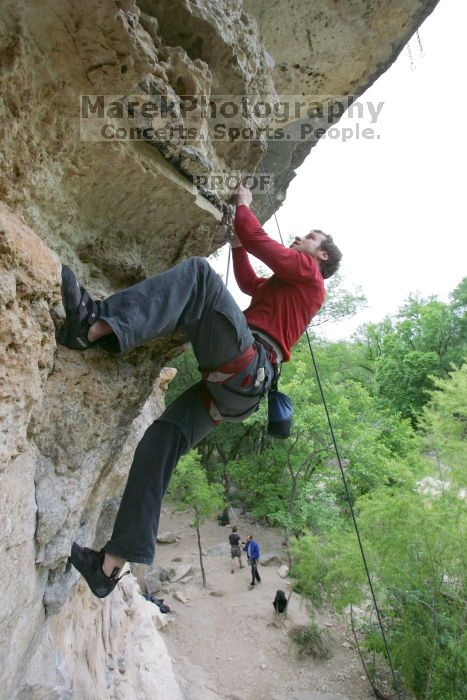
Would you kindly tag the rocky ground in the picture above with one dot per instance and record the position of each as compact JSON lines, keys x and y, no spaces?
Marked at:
{"x":224,"y":642}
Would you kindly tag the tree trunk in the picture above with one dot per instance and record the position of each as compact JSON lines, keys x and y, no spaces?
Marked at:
{"x":203,"y":574}
{"x":287,"y":542}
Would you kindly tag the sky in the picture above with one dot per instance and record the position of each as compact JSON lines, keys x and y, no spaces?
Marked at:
{"x":395,"y":205}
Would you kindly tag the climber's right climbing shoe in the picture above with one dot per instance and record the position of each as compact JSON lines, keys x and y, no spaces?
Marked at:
{"x":80,"y":310}
{"x":89,"y":564}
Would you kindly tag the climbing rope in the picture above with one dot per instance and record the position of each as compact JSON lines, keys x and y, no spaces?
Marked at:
{"x":412,"y":62}
{"x":228,"y":267}
{"x":420,"y":48}
{"x":344,"y":479}
{"x":420,"y":45}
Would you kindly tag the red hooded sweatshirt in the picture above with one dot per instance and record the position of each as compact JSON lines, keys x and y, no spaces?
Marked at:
{"x":283,"y":305}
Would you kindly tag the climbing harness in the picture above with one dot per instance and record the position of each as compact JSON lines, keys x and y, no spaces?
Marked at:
{"x":243,"y":380}
{"x":346,"y":487}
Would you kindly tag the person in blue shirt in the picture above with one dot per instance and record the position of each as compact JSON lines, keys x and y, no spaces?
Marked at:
{"x":251,"y":547}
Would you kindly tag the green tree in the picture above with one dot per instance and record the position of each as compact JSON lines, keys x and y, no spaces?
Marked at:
{"x":189,"y":488}
{"x":415,"y":552}
{"x":404,"y":376}
{"x":444,"y":425}
{"x":339,"y":303}
{"x":415,"y":546}
{"x":423,"y":342}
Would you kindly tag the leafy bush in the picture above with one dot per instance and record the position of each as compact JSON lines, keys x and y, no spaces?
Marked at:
{"x":309,"y":640}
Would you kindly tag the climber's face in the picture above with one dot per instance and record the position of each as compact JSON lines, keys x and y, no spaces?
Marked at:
{"x":311,"y":244}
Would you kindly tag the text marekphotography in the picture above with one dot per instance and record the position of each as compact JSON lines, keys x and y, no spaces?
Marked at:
{"x":198,"y":118}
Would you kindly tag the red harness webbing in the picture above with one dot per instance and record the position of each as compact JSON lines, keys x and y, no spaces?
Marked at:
{"x":231,"y":368}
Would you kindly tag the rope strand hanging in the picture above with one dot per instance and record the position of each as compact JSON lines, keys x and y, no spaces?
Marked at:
{"x":344,"y":479}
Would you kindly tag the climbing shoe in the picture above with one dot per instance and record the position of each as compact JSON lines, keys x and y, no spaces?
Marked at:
{"x":89,"y":564}
{"x":81,"y":313}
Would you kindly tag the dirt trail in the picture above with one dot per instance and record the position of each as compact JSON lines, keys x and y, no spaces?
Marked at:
{"x":227,"y":646}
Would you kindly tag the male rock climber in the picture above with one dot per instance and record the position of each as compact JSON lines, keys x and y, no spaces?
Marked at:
{"x":238,"y":356}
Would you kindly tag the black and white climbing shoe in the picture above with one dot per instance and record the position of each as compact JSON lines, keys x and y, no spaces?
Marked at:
{"x":81,"y":313}
{"x":89,"y":564}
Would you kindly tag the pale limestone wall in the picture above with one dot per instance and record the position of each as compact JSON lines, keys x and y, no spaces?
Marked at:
{"x":67,"y":439}
{"x":112,"y":649}
{"x":69,"y":422}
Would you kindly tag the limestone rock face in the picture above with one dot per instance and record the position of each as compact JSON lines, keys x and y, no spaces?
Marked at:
{"x":77,"y":194}
{"x":117,"y":211}
{"x":54,"y":487}
{"x":113,"y":647}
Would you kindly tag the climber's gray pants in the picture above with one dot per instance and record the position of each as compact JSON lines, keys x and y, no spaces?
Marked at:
{"x":189,"y":297}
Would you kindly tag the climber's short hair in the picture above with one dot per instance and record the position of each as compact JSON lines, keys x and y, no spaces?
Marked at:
{"x":331,"y":265}
{"x":234,"y":529}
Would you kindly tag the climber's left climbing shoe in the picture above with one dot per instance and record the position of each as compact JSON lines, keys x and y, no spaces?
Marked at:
{"x":89,"y":564}
{"x":81,"y":313}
